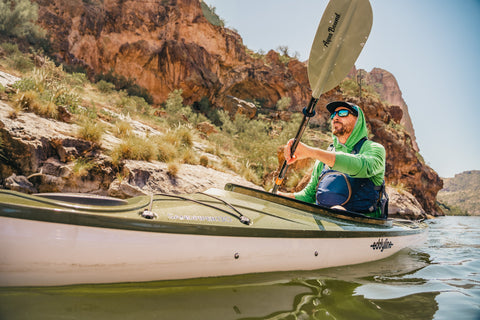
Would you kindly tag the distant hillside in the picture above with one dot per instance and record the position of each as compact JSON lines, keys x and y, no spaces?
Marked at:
{"x":460,"y":193}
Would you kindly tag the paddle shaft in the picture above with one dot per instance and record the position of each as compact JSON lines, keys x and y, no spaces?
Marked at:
{"x":308,"y":112}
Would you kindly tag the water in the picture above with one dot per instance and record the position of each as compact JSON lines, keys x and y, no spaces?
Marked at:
{"x":439,"y":280}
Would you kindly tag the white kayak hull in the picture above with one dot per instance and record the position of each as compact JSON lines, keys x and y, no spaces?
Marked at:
{"x":37,"y":253}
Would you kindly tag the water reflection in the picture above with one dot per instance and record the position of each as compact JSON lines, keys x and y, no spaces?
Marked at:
{"x":324,"y":294}
{"x":335,"y":299}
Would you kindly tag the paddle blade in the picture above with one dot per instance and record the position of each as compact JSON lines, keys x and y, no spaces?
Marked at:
{"x":340,"y":37}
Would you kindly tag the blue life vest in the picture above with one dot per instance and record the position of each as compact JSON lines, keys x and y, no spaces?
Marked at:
{"x":354,"y":194}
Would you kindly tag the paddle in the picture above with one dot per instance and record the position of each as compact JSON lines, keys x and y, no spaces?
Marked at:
{"x":340,"y":37}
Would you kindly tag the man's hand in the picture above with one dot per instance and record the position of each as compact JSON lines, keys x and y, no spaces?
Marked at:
{"x":286,"y":194}
{"x":300,"y":153}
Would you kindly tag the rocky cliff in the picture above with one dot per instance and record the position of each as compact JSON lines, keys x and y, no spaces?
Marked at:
{"x":387,"y":86}
{"x":165,"y":45}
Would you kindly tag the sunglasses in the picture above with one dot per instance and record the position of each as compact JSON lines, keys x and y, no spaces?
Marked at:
{"x":341,"y":113}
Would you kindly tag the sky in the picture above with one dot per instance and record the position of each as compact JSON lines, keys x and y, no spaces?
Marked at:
{"x":432,"y":47}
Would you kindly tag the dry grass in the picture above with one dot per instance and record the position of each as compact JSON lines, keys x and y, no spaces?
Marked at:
{"x":172,"y":169}
{"x":90,"y":130}
{"x":166,"y":151}
{"x":204,"y":161}
{"x":122,"y":128}
{"x":189,"y":156}
{"x":134,"y":148}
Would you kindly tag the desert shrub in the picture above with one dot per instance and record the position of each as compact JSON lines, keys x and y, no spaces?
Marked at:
{"x":26,"y":100}
{"x":18,"y":17}
{"x":76,"y":79}
{"x":22,"y":63}
{"x":15,"y":58}
{"x":10,"y":48}
{"x":229,"y":164}
{"x":204,"y":161}
{"x":249,"y":173}
{"x":126,"y":84}
{"x":90,"y":130}
{"x":25,"y":84}
{"x":49,"y":82}
{"x":105,"y":87}
{"x":211,"y":16}
{"x":62,"y":95}
{"x":134,"y":147}
{"x":179,"y":114}
{"x":189,"y":156}
{"x":133,"y":105}
{"x":82,"y":167}
{"x":174,"y":103}
{"x":253,"y":143}
{"x":122,"y":128}
{"x":30,"y":101}
{"x":284,"y":103}
{"x":172,"y":169}
{"x":203,"y":106}
{"x":166,"y":151}
{"x":185,"y":136}
{"x":180,"y":137}
{"x":48,"y":110}
{"x":350,"y":87}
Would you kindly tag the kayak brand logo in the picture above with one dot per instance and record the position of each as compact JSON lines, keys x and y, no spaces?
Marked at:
{"x":381,"y":244}
{"x":199,"y":218}
{"x":331,"y":30}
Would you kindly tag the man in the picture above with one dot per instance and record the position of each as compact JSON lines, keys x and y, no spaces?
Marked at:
{"x":350,"y":174}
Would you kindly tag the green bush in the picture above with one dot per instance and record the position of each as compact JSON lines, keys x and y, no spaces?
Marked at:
{"x":284,"y":103}
{"x":174,"y":102}
{"x":105,"y":87}
{"x":350,"y":87}
{"x":18,"y":17}
{"x":122,"y":83}
{"x":204,"y":107}
{"x":133,"y":105}
{"x":211,"y":16}
{"x":16,"y":58}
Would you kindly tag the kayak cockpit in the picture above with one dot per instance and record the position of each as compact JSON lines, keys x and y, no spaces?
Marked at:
{"x":83,"y":198}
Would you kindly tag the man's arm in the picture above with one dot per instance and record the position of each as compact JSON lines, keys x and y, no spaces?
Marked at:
{"x":308,"y":194}
{"x":303,"y":152}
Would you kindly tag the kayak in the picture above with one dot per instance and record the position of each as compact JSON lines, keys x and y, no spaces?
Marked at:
{"x":62,"y":239}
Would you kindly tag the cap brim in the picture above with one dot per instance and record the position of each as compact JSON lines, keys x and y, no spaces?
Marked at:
{"x":335,"y":104}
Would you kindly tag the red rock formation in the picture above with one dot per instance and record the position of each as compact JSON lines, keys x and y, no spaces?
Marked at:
{"x":387,"y":87}
{"x":167,"y":45}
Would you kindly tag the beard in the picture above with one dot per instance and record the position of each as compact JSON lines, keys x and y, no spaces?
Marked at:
{"x":340,"y":129}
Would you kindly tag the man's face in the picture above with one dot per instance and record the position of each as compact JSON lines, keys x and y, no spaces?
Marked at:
{"x":343,"y":126}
